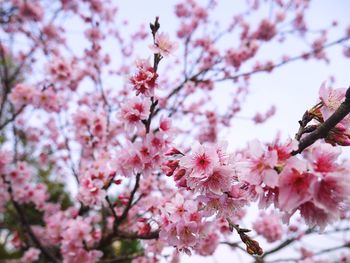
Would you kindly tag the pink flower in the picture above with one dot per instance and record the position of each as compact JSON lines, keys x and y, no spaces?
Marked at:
{"x":187,"y":233}
{"x":218,"y":182}
{"x":295,"y":184}
{"x":5,"y":160}
{"x":30,"y":10}
{"x":178,"y":207}
{"x":182,"y":11}
{"x":261,"y":165}
{"x":90,"y":192}
{"x":269,"y":226}
{"x":144,"y":81}
{"x":207,"y":245}
{"x":266,"y":30}
{"x":201,"y":161}
{"x":323,"y":157}
{"x":261,"y":118}
{"x":283,"y":149}
{"x":22,"y":95}
{"x":133,"y":112}
{"x":31,"y":255}
{"x":129,"y":160}
{"x":60,"y":69}
{"x":332,"y":192}
{"x":315,"y":216}
{"x":163,"y":45}
{"x":165,"y":124}
{"x":48,"y":100}
{"x":235,"y":57}
{"x":94,"y":34}
{"x":331,"y":100}
{"x":168,"y":233}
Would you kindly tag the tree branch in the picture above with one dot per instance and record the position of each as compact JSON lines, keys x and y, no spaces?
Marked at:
{"x":131,"y":199}
{"x":323,"y":130}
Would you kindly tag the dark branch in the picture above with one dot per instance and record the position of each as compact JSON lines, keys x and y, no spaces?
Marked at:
{"x":131,"y":199}
{"x":151,"y":235}
{"x":323,"y":130}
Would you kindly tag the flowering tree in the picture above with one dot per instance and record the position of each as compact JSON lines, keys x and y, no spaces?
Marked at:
{"x":107,"y":156}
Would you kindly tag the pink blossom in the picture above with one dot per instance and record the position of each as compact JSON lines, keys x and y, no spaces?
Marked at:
{"x":91,"y":192}
{"x":29,"y":10}
{"x":331,"y":100}
{"x":94,"y":34}
{"x":129,"y":160}
{"x":133,"y":112}
{"x":283,"y":149}
{"x":266,"y":30}
{"x":269,"y":226}
{"x":48,"y":100}
{"x":163,"y":46}
{"x":182,"y":11}
{"x":261,"y":118}
{"x":331,"y":193}
{"x":31,"y":255}
{"x":323,"y":157}
{"x":144,"y":81}
{"x":187,"y":234}
{"x":207,"y":245}
{"x":22,"y":95}
{"x":201,"y":161}
{"x":60,"y":69}
{"x":315,"y":216}
{"x":261,"y":165}
{"x":218,"y":182}
{"x":178,"y":207}
{"x":295,"y":185}
{"x":5,"y":160}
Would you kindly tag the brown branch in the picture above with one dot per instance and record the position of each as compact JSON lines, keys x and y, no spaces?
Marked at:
{"x":126,"y":235}
{"x":14,"y":116}
{"x":113,"y":212}
{"x":324,"y":251}
{"x":323,"y":130}
{"x":147,"y":122}
{"x":131,"y":199}
{"x":286,"y":243}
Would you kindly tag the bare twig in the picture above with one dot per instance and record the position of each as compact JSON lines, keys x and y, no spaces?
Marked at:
{"x":13,"y":117}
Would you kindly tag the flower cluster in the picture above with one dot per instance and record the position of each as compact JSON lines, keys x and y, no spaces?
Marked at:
{"x":144,"y":81}
{"x":269,"y":226}
{"x":316,"y":185}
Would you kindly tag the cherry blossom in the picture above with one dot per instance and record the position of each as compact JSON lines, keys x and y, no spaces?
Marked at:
{"x":163,"y":45}
{"x":144,"y":81}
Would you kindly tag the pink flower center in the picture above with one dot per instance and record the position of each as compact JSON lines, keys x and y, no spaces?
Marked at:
{"x":202,"y":161}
